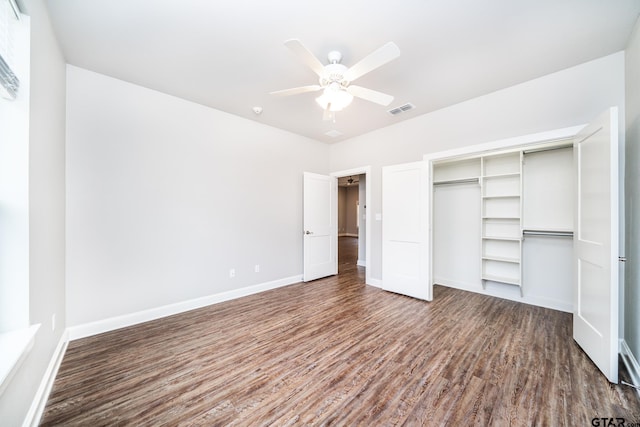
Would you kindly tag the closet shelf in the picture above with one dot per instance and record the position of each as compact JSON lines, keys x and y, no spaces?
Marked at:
{"x":501,"y":279}
{"x":502,"y":175}
{"x":501,"y":259}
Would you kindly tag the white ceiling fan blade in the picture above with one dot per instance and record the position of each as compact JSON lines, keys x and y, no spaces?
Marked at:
{"x":305,"y":55}
{"x":296,"y":90}
{"x":370,"y":95}
{"x":375,"y":59}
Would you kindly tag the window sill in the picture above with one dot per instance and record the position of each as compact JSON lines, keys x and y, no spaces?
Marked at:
{"x":15,"y":346}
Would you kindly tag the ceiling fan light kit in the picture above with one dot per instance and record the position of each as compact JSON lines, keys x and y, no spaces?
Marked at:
{"x":334,"y":98}
{"x":335,"y":79}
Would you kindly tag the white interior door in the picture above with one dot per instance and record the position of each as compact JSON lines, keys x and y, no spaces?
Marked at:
{"x":405,"y":258}
{"x":320,"y":217}
{"x":595,"y":299}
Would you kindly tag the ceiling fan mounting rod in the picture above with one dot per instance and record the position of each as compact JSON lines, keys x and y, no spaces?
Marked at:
{"x":334,"y":57}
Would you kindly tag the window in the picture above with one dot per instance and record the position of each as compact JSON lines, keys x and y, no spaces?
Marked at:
{"x":9,"y":20}
{"x":16,"y":333}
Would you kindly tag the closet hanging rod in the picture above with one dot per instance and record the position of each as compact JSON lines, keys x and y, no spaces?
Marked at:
{"x":556,"y":147}
{"x":457,"y":181}
{"x":547,"y":233}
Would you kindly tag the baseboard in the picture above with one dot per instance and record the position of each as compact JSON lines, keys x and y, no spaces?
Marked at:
{"x":361,"y":263}
{"x":553,"y":304}
{"x":630,"y":362}
{"x":375,"y":282}
{"x":46,"y":384}
{"x":110,"y":324}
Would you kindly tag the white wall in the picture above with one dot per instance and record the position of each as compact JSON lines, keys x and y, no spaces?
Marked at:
{"x":165,"y":196}
{"x":632,"y":195}
{"x":567,"y":98}
{"x":46,"y":214}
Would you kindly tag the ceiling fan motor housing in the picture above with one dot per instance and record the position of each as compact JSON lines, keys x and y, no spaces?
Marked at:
{"x":333,"y":73}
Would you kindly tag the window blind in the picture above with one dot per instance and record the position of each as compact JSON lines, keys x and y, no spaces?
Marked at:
{"x":9,"y":15}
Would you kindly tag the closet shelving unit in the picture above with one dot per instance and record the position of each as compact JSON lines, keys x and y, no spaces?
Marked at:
{"x":501,"y":192}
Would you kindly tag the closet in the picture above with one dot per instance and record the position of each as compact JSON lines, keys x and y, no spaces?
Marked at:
{"x":503,"y":221}
{"x":534,"y":219}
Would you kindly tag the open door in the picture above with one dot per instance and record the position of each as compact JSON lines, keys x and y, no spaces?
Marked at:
{"x":320,"y":218}
{"x":595,"y":299}
{"x":405,"y":258}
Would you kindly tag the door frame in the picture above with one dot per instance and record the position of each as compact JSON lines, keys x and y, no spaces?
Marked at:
{"x":538,"y":140}
{"x":366,"y":171}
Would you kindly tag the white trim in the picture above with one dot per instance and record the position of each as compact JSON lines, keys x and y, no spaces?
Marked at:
{"x":348,"y":235}
{"x":46,"y":384}
{"x":375,"y":282}
{"x":519,"y":142}
{"x":458,"y":284}
{"x":15,"y":346}
{"x":105,"y":325}
{"x":362,"y":263}
{"x":630,"y":362}
{"x":527,"y":299}
{"x":366,"y":170}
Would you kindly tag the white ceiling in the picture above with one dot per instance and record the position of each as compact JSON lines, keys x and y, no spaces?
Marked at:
{"x":230,"y":54}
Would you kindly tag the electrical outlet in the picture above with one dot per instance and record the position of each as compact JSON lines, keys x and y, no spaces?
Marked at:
{"x":257,"y":268}
{"x":53,"y":322}
{"x":232,"y":273}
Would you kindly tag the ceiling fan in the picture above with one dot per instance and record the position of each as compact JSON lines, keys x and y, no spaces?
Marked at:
{"x":335,"y":78}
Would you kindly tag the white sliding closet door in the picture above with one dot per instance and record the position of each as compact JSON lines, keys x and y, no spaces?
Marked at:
{"x":595,"y":317}
{"x":405,"y":257}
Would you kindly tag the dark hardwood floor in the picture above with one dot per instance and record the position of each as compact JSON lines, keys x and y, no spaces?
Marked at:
{"x":335,"y":351}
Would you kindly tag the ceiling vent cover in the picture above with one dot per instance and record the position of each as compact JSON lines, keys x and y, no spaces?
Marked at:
{"x":401,"y":109}
{"x":333,"y":133}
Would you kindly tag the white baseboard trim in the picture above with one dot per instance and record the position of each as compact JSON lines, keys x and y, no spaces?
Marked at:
{"x":361,"y":263}
{"x":375,"y":282}
{"x":631,"y":362}
{"x":46,"y":384}
{"x":110,"y":324}
{"x":514,"y":295}
{"x":350,"y":234}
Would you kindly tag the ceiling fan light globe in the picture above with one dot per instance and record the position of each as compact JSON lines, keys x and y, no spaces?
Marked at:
{"x":336,"y":99}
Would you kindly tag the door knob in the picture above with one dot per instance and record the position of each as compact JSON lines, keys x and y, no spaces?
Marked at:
{"x":308,"y":232}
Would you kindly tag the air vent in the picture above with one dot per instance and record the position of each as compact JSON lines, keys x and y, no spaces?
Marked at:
{"x":333,"y":133}
{"x":401,"y":109}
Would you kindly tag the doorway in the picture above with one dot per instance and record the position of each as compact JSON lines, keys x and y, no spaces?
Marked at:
{"x":350,"y":250}
{"x":354,"y":225}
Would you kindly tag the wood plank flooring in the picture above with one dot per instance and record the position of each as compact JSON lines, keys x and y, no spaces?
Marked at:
{"x":337,"y":352}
